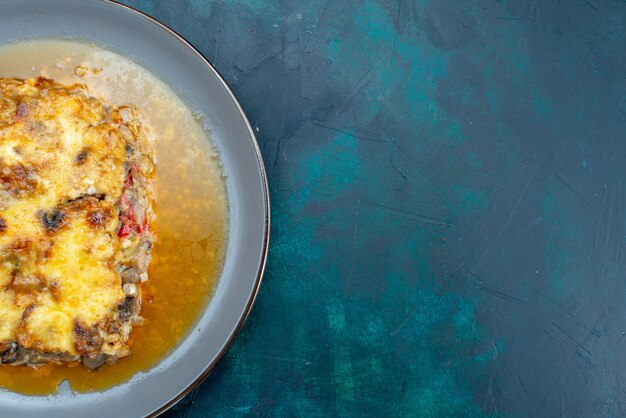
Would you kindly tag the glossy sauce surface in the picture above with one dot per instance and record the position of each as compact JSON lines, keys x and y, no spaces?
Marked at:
{"x":191,"y":207}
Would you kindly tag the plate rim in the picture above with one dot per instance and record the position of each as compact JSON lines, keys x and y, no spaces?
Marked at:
{"x":266,"y":208}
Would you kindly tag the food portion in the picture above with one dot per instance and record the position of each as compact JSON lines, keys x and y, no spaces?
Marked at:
{"x":75,"y":215}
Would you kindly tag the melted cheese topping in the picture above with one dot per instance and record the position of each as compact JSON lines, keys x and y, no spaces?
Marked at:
{"x":61,"y":173}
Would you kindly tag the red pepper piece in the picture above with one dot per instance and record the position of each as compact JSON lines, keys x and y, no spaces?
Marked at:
{"x":127,"y":208}
{"x":129,"y":180}
{"x":143,"y":226}
{"x":124,"y":231}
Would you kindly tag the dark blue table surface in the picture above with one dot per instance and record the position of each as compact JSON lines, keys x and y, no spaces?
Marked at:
{"x":448,"y":198}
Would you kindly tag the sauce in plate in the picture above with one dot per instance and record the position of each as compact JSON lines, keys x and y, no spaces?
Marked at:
{"x":191,"y":207}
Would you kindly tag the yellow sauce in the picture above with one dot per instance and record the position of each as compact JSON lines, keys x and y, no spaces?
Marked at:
{"x":190,"y":198}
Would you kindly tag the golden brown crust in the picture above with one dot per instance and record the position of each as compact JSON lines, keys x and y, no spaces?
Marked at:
{"x":86,"y":339}
{"x":74,"y":215}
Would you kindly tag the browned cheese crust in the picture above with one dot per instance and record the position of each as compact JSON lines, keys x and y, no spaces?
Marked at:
{"x":75,"y":216}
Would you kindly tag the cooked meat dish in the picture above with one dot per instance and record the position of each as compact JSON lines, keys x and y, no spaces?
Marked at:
{"x":76,"y":217}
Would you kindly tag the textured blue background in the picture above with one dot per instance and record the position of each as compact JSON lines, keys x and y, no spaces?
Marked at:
{"x":448,"y":184}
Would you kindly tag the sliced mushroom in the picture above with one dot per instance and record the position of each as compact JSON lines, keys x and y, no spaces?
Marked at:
{"x":135,"y":306}
{"x":51,"y":220}
{"x":124,"y":308}
{"x":130,"y":289}
{"x":14,"y":355}
{"x":143,"y":256}
{"x":130,"y":275}
{"x":57,"y":358}
{"x":94,"y":363}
